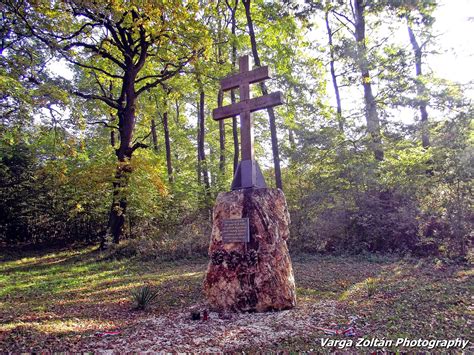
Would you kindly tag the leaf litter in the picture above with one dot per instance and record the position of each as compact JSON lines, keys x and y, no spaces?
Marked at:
{"x":229,"y":332}
{"x":92,"y":311}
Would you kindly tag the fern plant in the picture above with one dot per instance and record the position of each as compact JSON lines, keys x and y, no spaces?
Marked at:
{"x":144,"y":296}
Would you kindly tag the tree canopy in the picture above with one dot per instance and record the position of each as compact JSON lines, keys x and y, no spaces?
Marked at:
{"x":106,"y":130}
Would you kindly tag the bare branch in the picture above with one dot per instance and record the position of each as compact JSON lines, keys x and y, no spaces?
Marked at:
{"x":343,"y":16}
{"x":100,"y":84}
{"x":166,"y":75}
{"x":93,"y":68}
{"x":345,"y":25}
{"x":76,"y":33}
{"x":97,"y":50}
{"x":103,"y":123}
{"x":352,"y":8}
{"x":143,"y":138}
{"x":107,"y":100}
{"x":143,"y":49}
{"x":123,"y":37}
{"x":155,"y":76}
{"x":138,"y":145}
{"x":113,"y":32}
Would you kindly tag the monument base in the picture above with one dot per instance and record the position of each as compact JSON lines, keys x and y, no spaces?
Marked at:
{"x":256,"y":276}
{"x":248,"y":175}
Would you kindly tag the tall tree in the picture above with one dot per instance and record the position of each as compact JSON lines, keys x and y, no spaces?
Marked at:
{"x":220,"y":99}
{"x":202,"y":163}
{"x":420,"y":88}
{"x":419,"y":20}
{"x":235,"y":132}
{"x":371,"y":114}
{"x":169,"y":165}
{"x":423,"y":19}
{"x":220,"y":95}
{"x":263,"y":87}
{"x":332,"y":61}
{"x":154,"y":136}
{"x":127,"y":50}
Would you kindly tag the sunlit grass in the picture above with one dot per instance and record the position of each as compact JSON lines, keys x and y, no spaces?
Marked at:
{"x":306,"y":294}
{"x":44,"y":259}
{"x":74,"y":292}
{"x":58,"y":326}
{"x":464,"y":274}
{"x":353,"y":290}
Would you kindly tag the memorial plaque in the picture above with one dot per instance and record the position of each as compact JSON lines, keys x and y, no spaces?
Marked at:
{"x":235,"y":230}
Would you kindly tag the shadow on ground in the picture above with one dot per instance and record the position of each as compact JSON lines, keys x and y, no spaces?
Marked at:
{"x":60,"y":301}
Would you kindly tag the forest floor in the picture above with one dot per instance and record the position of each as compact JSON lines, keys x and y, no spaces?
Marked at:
{"x":76,"y":301}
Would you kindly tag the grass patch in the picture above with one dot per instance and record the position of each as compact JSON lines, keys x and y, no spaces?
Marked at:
{"x":75,"y":293}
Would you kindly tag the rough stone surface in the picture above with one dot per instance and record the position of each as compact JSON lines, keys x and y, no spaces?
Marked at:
{"x":255,"y":276}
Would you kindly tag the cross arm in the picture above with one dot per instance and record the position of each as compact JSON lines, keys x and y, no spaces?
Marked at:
{"x":249,"y":77}
{"x":255,"y":104}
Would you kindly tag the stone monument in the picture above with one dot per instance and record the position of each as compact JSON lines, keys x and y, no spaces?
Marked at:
{"x":250,"y":268}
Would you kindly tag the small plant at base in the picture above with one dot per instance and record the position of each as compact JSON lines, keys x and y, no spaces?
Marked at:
{"x":144,"y":296}
{"x":371,"y":284}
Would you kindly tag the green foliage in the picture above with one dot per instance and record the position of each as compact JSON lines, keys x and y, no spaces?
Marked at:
{"x":49,"y":191}
{"x":415,"y":201}
{"x":57,"y":165}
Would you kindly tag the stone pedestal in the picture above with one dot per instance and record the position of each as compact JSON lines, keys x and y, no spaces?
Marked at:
{"x":255,"y":276}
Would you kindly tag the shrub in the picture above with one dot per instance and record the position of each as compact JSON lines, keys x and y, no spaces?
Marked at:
{"x":383,"y":222}
{"x":144,"y":297}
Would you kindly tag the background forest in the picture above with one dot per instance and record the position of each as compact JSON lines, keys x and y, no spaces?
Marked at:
{"x":106,"y":130}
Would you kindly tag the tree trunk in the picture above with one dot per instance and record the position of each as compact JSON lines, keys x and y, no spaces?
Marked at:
{"x":235,"y":132}
{"x":420,"y":90}
{"x":199,"y":164}
{"x":119,"y":202}
{"x":371,"y":114}
{"x":119,"y":199}
{"x":168,"y":147}
{"x":202,"y":133}
{"x":340,"y":120}
{"x":177,"y":115}
{"x":263,"y":87}
{"x":291,"y":139}
{"x":154,"y":136}
{"x":126,"y":115}
{"x":220,"y":99}
{"x":112,"y":132}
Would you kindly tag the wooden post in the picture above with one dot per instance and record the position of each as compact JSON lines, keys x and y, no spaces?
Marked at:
{"x":246,"y":129}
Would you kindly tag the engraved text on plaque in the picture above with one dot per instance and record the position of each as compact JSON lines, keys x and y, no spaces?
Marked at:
{"x":235,"y":230}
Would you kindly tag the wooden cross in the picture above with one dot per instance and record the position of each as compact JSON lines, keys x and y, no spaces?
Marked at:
{"x":248,"y":174}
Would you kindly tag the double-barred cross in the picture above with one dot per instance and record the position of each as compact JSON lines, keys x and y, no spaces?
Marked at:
{"x":248,"y":174}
